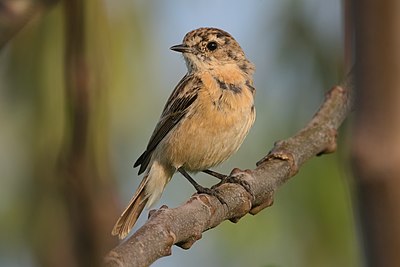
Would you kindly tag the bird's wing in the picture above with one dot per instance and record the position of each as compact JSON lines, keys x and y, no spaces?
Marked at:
{"x":177,"y":106}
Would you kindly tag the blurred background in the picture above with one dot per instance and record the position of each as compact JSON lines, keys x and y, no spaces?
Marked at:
{"x":66,"y":155}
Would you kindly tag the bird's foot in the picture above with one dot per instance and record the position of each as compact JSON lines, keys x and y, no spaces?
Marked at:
{"x":210,"y":191}
{"x":235,"y":178}
{"x":200,"y":189}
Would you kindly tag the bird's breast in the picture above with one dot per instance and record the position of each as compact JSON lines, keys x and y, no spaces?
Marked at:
{"x":214,"y":128}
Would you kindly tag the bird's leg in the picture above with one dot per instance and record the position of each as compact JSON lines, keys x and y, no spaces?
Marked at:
{"x":200,"y":189}
{"x":224,"y":178}
{"x":216,"y":174}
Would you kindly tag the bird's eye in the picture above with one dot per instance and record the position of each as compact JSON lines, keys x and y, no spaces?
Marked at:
{"x":212,"y":46}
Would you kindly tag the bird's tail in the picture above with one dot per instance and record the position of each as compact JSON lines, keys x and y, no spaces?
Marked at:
{"x":130,"y":215}
{"x":149,"y":191}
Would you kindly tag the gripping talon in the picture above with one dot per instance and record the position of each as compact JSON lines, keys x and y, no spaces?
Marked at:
{"x":200,"y":189}
{"x":234,"y":179}
{"x":212,"y":192}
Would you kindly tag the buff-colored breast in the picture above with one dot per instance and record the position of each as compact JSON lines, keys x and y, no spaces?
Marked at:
{"x":214,"y":128}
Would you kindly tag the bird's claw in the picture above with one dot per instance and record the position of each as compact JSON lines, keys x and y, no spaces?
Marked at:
{"x":212,"y":192}
{"x":235,"y":179}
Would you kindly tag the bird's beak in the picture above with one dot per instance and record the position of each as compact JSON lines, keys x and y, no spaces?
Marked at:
{"x":181,"y":48}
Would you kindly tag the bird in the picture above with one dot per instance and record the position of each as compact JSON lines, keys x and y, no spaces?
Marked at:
{"x":204,"y":121}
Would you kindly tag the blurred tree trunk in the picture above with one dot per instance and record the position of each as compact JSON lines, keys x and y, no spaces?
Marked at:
{"x":88,"y":189}
{"x":75,"y":206}
{"x":376,"y":129}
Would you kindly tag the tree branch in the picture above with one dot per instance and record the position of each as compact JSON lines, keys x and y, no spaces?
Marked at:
{"x":185,"y":224}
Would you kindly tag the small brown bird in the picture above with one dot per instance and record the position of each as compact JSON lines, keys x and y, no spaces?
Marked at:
{"x":204,"y":121}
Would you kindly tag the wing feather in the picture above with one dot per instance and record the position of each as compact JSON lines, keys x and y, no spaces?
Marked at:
{"x":177,"y":106}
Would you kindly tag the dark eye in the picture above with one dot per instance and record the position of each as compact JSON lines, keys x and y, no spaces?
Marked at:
{"x":212,"y":46}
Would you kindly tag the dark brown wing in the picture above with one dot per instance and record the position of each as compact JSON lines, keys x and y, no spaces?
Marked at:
{"x":176,"y":108}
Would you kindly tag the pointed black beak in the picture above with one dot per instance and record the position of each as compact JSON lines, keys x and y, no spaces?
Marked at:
{"x":181,"y":48}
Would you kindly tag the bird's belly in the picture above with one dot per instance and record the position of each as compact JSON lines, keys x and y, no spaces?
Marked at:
{"x":207,"y":138}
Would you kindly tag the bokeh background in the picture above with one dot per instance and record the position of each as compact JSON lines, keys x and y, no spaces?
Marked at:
{"x":297,"y":47}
